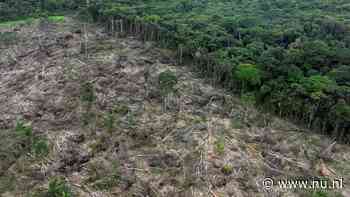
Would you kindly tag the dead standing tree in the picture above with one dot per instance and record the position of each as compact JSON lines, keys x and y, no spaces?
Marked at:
{"x":167,"y":82}
{"x":85,"y":42}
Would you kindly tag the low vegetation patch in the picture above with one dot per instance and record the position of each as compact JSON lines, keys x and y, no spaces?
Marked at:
{"x":227,"y":169}
{"x":37,"y":145}
{"x":56,"y":19}
{"x":59,"y":188}
{"x":30,"y":20}
{"x":167,"y":81}
{"x":104,"y":177}
{"x":17,"y":22}
{"x":220,"y":146}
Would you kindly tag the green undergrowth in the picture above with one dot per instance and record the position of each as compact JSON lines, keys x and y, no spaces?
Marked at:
{"x":17,"y":22}
{"x":103,"y":177}
{"x":57,"y":187}
{"x":20,"y":148}
{"x":56,"y":19}
{"x":30,"y":20}
{"x":37,"y":145}
{"x":220,"y":145}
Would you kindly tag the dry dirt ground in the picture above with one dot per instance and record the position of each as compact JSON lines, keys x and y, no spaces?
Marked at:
{"x":110,"y":132}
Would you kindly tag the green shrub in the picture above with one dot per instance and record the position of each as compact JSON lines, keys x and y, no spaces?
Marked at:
{"x":40,"y":147}
{"x":227,"y":169}
{"x":167,"y":81}
{"x":35,"y":144}
{"x":23,"y":129}
{"x":58,"y":188}
{"x":220,"y":146}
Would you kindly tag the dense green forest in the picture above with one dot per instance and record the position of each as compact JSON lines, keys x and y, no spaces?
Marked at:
{"x":291,"y":57}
